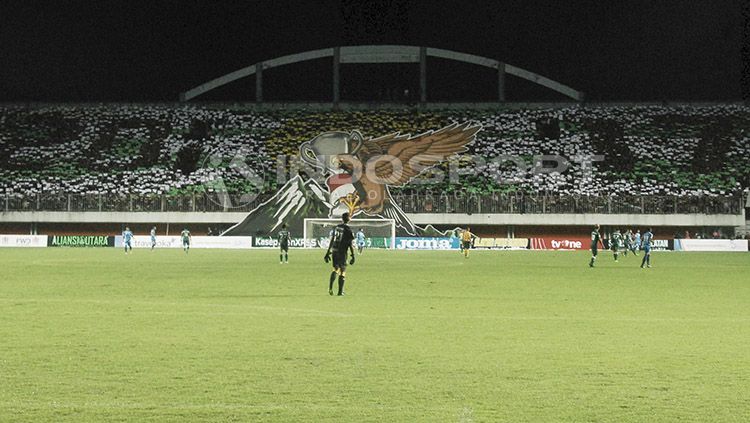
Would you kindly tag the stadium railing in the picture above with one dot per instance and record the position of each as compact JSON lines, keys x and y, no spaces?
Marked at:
{"x":409,"y":203}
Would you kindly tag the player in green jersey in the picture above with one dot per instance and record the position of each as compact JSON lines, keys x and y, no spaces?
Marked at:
{"x":284,"y":238}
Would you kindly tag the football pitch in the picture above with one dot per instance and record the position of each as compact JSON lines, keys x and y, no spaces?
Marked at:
{"x":220,"y":335}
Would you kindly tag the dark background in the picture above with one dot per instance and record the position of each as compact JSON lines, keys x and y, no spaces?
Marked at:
{"x":150,"y":51}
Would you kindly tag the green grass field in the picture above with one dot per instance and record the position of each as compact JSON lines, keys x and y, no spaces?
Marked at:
{"x":94,"y":335}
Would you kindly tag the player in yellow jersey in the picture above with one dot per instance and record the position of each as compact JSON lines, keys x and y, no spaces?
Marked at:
{"x":466,"y":237}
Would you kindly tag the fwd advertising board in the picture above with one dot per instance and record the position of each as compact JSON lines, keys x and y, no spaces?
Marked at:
{"x":23,"y":241}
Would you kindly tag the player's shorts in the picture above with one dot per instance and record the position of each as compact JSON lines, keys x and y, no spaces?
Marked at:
{"x":284,"y":246}
{"x":361,"y":244}
{"x":153,"y":240}
{"x":339,"y":261}
{"x":466,"y":245}
{"x":594,"y":250}
{"x":185,"y":243}
{"x":128,"y":244}
{"x":647,"y":249}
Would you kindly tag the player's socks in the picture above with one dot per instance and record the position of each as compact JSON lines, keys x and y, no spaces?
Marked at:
{"x":330,"y":283}
{"x":643,"y":262}
{"x":593,"y":259}
{"x":281,"y":258}
{"x":342,"y":279}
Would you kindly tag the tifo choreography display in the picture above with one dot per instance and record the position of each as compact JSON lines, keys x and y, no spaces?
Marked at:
{"x":156,"y":149}
{"x":359,"y":173}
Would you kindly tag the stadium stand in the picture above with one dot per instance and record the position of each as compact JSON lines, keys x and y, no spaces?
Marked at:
{"x":54,"y":151}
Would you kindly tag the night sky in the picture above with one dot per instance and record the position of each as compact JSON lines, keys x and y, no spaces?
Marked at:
{"x":150,"y":51}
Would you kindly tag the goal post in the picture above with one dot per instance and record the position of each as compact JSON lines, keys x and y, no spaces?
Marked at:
{"x":379,"y":233}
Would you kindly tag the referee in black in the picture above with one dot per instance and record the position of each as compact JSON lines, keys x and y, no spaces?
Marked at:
{"x":338,"y":248}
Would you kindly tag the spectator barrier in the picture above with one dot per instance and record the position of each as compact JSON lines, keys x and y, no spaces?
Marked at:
{"x":402,"y":243}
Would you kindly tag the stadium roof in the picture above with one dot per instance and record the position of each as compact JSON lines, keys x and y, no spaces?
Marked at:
{"x":381,"y":54}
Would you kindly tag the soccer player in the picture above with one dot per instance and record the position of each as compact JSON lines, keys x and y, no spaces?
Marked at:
{"x":153,"y":238}
{"x":360,"y":240}
{"x":127,"y":239}
{"x":627,"y":237}
{"x":629,"y":242}
{"x":186,"y":238}
{"x":466,"y":237}
{"x":648,"y":237}
{"x":339,"y":246}
{"x":284,"y":239}
{"x":596,"y":239}
{"x":615,"y":243}
{"x":637,"y":242}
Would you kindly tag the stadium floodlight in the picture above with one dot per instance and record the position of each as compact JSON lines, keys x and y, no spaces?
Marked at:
{"x":379,"y":233}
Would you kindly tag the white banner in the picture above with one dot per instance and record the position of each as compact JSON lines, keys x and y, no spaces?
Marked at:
{"x":23,"y":240}
{"x":736,"y":245}
{"x":232,"y":242}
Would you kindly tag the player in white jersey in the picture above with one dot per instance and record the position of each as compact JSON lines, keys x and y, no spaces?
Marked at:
{"x":360,"y":240}
{"x":127,"y":240}
{"x":153,"y":237}
{"x":186,"y":238}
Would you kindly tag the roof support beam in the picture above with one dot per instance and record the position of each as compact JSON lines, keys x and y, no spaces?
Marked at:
{"x":501,"y":82}
{"x":423,"y":75}
{"x":383,"y":54}
{"x":259,"y":83}
{"x":336,"y":81}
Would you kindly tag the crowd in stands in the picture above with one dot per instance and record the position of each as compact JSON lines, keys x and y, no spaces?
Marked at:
{"x":171,"y":149}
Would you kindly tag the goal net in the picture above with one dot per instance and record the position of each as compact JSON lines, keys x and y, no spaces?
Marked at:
{"x":379,"y":233}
